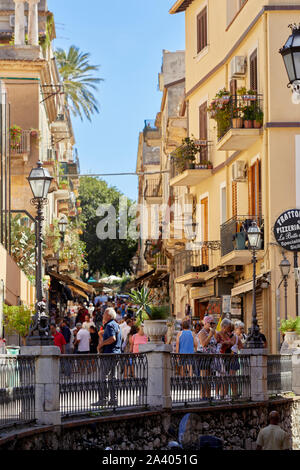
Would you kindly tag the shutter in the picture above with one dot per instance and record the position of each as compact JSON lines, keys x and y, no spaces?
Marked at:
{"x":234,"y":199}
{"x":202,"y":30}
{"x":253,"y":71}
{"x":250,"y":190}
{"x":233,"y":86}
{"x":259,"y":310}
{"x":203,"y":130}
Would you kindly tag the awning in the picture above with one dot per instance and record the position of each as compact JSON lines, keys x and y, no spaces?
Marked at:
{"x":144,"y":277}
{"x":69,"y":281}
{"x":79,"y":292}
{"x":245,"y":287}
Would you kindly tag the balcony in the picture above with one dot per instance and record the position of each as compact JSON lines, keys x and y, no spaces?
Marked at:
{"x":161,"y":262}
{"x":240,"y":125}
{"x":234,"y":241}
{"x":185,"y":172}
{"x":152,"y":134}
{"x":191,"y":266}
{"x":239,"y":119}
{"x":21,"y":150}
{"x":153,"y":191}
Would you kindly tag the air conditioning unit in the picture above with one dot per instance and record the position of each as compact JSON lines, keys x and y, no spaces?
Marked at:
{"x":12,"y":21}
{"x":238,"y":67}
{"x":239,"y":171}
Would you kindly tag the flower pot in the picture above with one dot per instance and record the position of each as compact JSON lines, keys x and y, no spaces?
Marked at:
{"x":189,"y":166}
{"x":237,"y":123}
{"x":248,"y":124}
{"x":155,"y":330}
{"x":291,"y":342}
{"x":249,"y":97}
{"x":257,"y":125}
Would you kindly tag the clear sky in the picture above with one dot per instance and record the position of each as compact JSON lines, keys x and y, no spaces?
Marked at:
{"x":125,"y":37}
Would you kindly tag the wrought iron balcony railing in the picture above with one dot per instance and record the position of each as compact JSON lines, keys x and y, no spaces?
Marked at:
{"x":21,"y":147}
{"x":191,"y":262}
{"x":234,"y":233}
{"x":153,"y":188}
{"x":237,"y":112}
{"x":201,"y":161}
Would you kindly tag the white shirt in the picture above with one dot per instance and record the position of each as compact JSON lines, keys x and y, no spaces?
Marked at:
{"x":124,"y":330}
{"x":84,"y":337}
{"x":86,"y":325}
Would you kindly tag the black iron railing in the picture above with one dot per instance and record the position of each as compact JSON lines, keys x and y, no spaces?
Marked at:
{"x":197,"y":378}
{"x":279,"y":374}
{"x":201,"y":162}
{"x":153,"y":188}
{"x":191,"y":262}
{"x":17,"y":389}
{"x":89,"y":383}
{"x":237,"y":112}
{"x":234,"y":233}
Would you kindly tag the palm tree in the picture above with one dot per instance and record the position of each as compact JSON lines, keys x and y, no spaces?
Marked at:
{"x":78,"y":81}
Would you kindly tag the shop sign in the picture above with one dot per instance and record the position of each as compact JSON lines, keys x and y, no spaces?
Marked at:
{"x":287,"y":230}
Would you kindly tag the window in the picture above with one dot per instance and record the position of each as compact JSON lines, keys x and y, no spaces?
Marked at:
{"x":223,"y":205}
{"x":253,"y":71}
{"x":203,"y":130}
{"x":202,"y":30}
{"x":254,"y":189}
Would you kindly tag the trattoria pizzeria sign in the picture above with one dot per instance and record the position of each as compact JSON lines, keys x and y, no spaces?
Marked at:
{"x":287,"y":230}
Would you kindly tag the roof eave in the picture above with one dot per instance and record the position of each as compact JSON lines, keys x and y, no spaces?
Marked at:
{"x":179,"y":6}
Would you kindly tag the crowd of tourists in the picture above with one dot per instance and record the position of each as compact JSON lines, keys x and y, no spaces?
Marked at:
{"x":102,"y":326}
{"x":108,"y":325}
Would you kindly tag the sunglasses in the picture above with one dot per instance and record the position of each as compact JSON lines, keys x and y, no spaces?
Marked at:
{"x":212,"y":323}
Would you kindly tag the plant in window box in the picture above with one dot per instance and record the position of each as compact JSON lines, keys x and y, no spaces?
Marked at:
{"x":258,"y":118}
{"x":251,"y":95}
{"x":223,"y":96}
{"x":249,"y":116}
{"x":291,"y":330}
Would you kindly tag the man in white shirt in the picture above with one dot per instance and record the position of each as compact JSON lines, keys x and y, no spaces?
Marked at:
{"x":82,"y":340}
{"x":273,"y":437}
{"x":87,"y":323}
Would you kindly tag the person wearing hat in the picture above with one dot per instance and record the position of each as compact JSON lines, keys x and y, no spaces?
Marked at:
{"x":207,"y":336}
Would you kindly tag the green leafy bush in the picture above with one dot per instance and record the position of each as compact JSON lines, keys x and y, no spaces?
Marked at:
{"x":292,"y":324}
{"x":17,"y":319}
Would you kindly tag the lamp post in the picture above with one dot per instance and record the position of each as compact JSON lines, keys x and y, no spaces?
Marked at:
{"x":62,"y":226}
{"x":291,"y":56}
{"x":39,"y":180}
{"x":285,"y":267}
{"x":254,"y":340}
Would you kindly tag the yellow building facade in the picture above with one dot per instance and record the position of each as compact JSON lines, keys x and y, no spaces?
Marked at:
{"x":232,"y":45}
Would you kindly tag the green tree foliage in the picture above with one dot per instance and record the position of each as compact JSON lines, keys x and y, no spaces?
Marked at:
{"x":106,"y":256}
{"x":79,"y":81}
{"x":17,"y":319}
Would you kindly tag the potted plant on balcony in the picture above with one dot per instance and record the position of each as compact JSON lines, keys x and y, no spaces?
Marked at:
{"x":248,"y":115}
{"x":185,"y":155}
{"x":291,"y":330}
{"x":258,"y":118}
{"x":154,"y":317}
{"x":220,"y":111}
{"x":223,"y":96}
{"x":15,"y":136}
{"x":237,"y":119}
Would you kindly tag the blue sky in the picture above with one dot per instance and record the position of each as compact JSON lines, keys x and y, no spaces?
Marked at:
{"x":126,"y":38}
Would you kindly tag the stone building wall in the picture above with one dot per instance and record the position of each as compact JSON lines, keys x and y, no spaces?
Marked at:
{"x":238,"y":426}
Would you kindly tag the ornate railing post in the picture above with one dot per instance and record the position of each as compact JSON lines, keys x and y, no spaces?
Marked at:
{"x":47,"y":363}
{"x":159,"y":374}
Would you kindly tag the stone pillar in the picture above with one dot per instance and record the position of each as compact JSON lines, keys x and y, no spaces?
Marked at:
{"x":296,"y":373}
{"x":47,"y":406}
{"x":33,"y":22}
{"x":159,"y":374}
{"x":258,"y":373}
{"x":19,"y":22}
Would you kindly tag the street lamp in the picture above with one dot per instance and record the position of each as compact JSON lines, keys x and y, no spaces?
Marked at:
{"x":254,"y":340}
{"x":62,"y":225}
{"x":291,"y":56}
{"x":285,"y":267}
{"x":39,"y":180}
